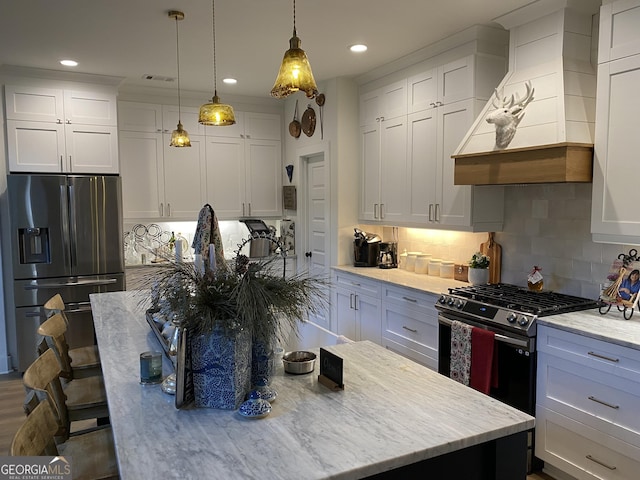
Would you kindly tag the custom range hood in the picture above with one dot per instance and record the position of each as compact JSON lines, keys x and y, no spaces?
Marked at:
{"x":538,"y":126}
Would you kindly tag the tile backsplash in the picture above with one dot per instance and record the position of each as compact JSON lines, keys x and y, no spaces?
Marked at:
{"x":546,"y":225}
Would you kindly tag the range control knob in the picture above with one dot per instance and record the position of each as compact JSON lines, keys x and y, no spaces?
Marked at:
{"x":442,"y":299}
{"x":459,"y":304}
{"x":524,"y":321}
{"x":451,"y":301}
{"x":511,"y":318}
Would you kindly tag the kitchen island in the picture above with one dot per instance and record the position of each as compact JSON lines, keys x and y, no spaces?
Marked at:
{"x":393,"y":419}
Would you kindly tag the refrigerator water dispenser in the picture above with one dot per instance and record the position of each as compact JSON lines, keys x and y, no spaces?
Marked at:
{"x":34,"y":245}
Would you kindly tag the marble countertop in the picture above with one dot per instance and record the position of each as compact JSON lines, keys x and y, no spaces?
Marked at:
{"x":396,"y":276}
{"x":392,"y":412}
{"x":611,"y":327}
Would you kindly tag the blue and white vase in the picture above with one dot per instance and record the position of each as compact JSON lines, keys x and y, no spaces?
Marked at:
{"x":263,"y":365}
{"x":221,"y":369}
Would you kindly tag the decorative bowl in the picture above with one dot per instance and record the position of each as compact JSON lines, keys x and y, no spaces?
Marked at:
{"x":299,"y":362}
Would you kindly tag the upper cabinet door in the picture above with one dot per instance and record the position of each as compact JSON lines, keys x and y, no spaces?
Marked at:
{"x":140,"y":117}
{"x":385,"y":102}
{"x":184,"y":178}
{"x":422,"y":91}
{"x":188,"y":116}
{"x":34,"y":104}
{"x":91,"y":149}
{"x":90,"y":108}
{"x":262,"y":126}
{"x":619,"y":32}
{"x":35,"y":146}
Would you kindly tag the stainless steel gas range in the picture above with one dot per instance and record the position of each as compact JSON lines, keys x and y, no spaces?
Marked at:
{"x":511,"y":313}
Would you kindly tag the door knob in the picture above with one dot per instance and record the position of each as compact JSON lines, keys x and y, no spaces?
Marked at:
{"x":307,"y":254}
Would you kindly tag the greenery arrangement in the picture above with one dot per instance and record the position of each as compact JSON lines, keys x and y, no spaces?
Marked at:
{"x":478,"y":260}
{"x":240,"y":295}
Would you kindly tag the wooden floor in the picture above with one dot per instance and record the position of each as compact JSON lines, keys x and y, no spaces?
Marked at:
{"x":12,"y":415}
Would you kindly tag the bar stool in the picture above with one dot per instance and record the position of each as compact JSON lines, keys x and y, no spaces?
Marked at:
{"x":92,"y":455}
{"x":79,"y":362}
{"x":81,"y":399}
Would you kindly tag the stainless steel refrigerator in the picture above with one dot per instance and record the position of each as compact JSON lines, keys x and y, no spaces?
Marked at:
{"x":66,"y":238}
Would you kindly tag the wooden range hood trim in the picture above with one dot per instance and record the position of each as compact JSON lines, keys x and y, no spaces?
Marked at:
{"x":555,"y":163}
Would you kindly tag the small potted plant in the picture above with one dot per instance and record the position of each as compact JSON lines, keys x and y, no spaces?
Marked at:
{"x":479,"y":269}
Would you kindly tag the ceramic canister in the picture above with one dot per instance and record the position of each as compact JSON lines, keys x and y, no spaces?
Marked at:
{"x":411,"y":261}
{"x":446,"y":268}
{"x":422,"y":263}
{"x":403,"y":261}
{"x":434,"y":267}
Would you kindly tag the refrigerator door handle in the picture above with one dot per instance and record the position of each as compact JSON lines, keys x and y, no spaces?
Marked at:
{"x":71,"y":284}
{"x":73,"y":227}
{"x":64,"y":214}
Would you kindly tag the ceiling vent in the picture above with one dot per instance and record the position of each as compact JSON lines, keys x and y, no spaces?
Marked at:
{"x":158,"y":78}
{"x":550,"y":60}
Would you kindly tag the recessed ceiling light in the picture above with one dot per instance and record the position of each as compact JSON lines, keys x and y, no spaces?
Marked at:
{"x":230,"y":81}
{"x":359,"y":48}
{"x":69,"y":63}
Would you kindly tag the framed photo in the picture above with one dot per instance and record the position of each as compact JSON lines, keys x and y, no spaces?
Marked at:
{"x":622,"y":286}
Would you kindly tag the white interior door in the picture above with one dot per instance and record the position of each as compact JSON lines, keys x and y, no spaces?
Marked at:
{"x":317,"y":258}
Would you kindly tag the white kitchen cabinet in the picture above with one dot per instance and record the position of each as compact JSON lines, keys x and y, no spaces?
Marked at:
{"x":159,"y":181}
{"x":586,"y":407}
{"x":413,"y":184}
{"x":440,"y":85}
{"x":614,"y":213}
{"x":619,"y":33}
{"x":55,"y":130}
{"x":356,"y":304}
{"x":238,"y":174}
{"x":410,"y":324}
{"x":383,"y":184}
{"x":244,"y":177}
{"x":156,"y":118}
{"x":435,"y":201}
{"x":384,"y":103}
{"x":250,"y":125}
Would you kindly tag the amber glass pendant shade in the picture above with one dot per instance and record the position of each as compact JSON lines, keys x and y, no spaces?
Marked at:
{"x":180,"y":137}
{"x":216,"y":114}
{"x":295,"y":73}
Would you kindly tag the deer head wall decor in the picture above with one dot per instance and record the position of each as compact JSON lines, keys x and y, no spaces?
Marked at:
{"x":507,"y":114}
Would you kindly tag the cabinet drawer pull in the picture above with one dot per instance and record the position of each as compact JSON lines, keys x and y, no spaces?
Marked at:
{"x":412,"y":330}
{"x":355,"y":284}
{"x":599,"y":462}
{"x":597,"y":355}
{"x":594,"y":399}
{"x":408,"y":299}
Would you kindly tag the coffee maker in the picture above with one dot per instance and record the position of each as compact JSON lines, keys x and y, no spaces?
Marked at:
{"x":366,"y":249}
{"x":388,"y":256}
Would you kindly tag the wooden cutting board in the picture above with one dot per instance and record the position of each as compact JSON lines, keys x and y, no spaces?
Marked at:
{"x":494,"y":251}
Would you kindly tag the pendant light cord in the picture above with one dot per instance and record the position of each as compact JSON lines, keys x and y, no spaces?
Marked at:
{"x":213,"y":30}
{"x":294,"y":18}
{"x":178,"y":62}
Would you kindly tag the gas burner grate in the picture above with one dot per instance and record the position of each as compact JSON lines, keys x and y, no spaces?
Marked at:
{"x":520,"y":299}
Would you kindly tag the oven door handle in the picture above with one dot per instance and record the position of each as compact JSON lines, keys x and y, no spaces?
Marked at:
{"x":499,"y":337}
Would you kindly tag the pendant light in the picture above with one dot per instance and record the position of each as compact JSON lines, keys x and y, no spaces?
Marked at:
{"x":179,"y":137}
{"x":295,"y":72}
{"x":216,"y":113}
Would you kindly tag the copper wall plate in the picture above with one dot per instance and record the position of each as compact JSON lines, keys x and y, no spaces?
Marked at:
{"x":309,"y":121}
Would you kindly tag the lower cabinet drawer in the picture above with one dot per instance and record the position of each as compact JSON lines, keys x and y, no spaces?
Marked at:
{"x":405,"y":330}
{"x":582,"y":451}
{"x":408,"y":352}
{"x":606,"y":402}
